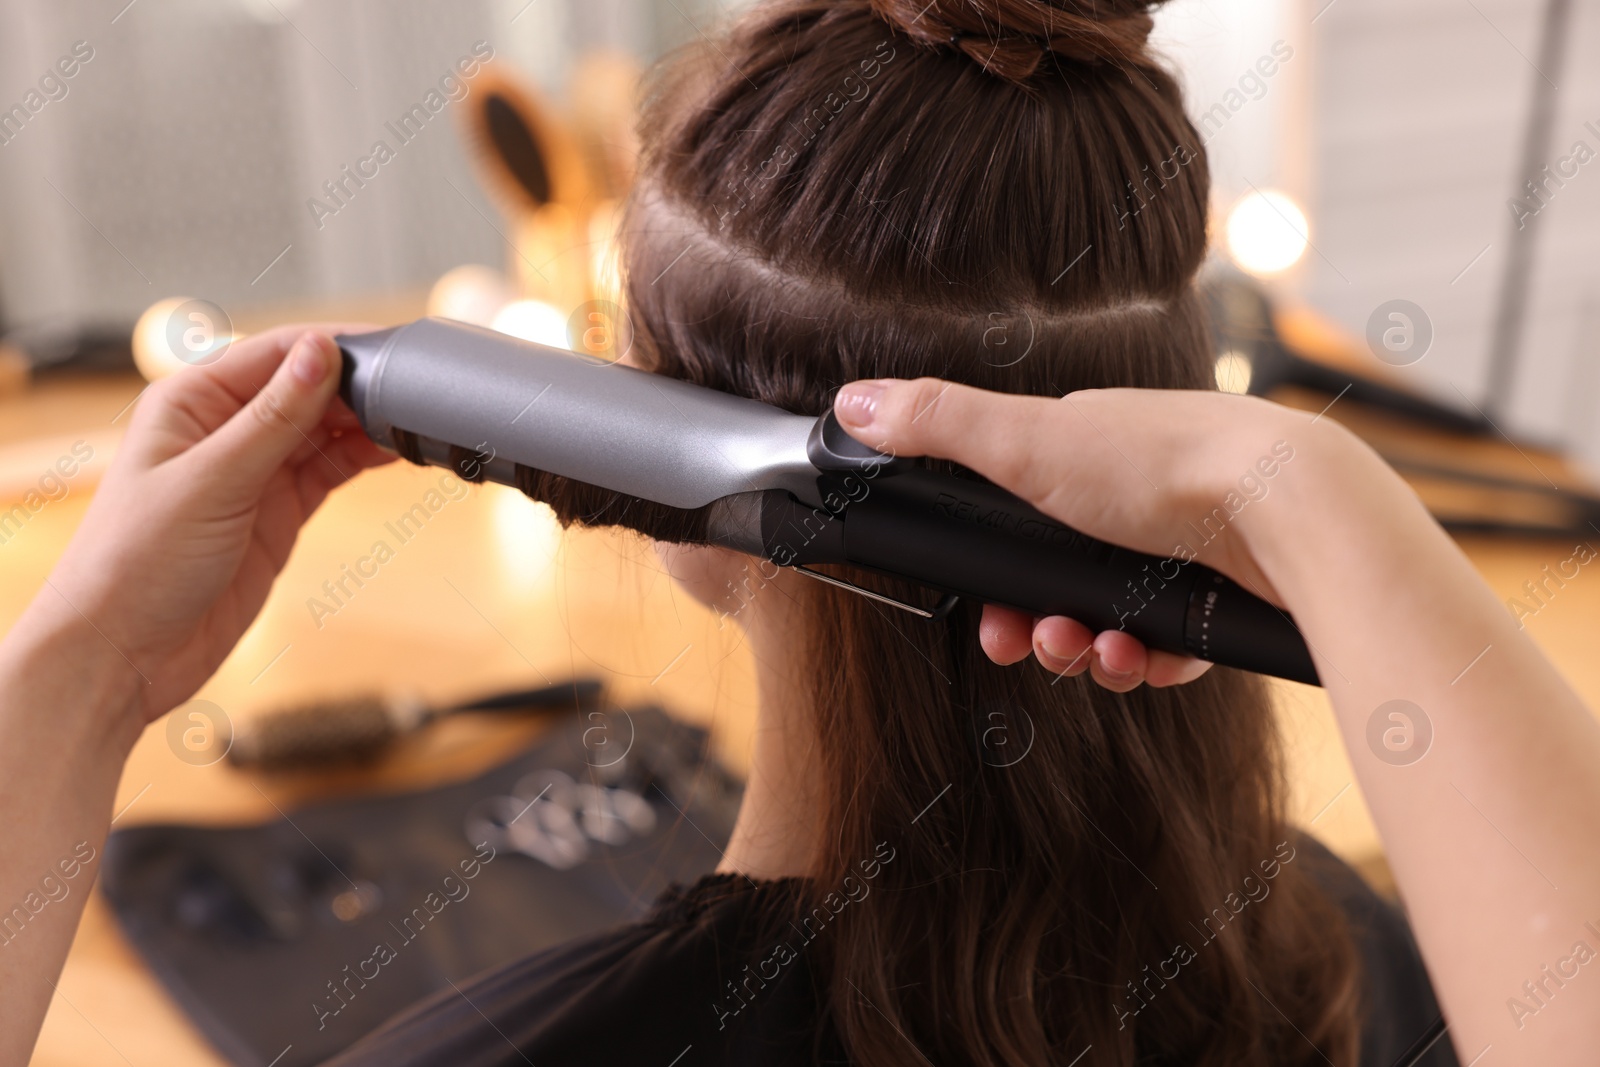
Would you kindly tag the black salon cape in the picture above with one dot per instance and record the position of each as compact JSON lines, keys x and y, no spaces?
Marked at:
{"x":649,"y":993}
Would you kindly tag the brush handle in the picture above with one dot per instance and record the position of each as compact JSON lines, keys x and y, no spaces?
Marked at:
{"x":580,"y":694}
{"x":349,"y":731}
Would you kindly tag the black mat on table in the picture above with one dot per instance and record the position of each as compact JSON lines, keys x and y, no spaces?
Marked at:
{"x":244,"y":926}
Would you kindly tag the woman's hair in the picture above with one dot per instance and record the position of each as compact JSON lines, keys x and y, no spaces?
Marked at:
{"x":1005,"y":193}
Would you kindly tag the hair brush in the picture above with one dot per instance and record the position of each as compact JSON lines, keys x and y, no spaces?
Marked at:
{"x":533,"y":165}
{"x":350,"y":731}
{"x":680,"y":462}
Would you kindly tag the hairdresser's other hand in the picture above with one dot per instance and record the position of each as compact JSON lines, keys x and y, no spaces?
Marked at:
{"x":221,"y":466}
{"x":1124,"y":465}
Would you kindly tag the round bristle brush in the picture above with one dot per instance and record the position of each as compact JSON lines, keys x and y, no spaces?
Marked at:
{"x":359,"y":729}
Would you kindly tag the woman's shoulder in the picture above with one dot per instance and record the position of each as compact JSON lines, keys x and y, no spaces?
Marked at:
{"x":1400,"y":1007}
{"x":715,"y":974}
{"x":680,"y":986}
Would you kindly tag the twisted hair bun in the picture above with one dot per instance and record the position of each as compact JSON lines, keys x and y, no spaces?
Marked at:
{"x":1011,"y":38}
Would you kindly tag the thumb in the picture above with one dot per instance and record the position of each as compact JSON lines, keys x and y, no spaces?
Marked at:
{"x":1002,"y":436}
{"x":253,"y":444}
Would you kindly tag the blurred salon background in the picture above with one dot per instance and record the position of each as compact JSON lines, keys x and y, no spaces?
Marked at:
{"x":180,"y":160}
{"x":1405,"y":222}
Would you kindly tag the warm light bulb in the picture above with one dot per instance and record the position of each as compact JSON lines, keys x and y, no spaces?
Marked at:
{"x":533,"y":320}
{"x":1267,"y":232}
{"x":1233,"y":372}
{"x":470,"y":293}
{"x":180,"y":332}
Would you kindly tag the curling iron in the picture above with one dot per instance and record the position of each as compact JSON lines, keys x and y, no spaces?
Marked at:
{"x":795,"y":490}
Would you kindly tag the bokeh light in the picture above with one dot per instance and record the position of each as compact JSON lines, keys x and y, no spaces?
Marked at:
{"x":470,"y":293}
{"x":1233,"y":372}
{"x":533,"y":320}
{"x":1267,"y":232}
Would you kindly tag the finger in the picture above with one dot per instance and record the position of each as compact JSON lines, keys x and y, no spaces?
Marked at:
{"x":247,"y":365}
{"x":996,"y":434}
{"x":317,"y":439}
{"x":1063,"y":646}
{"x":237,"y":460}
{"x":345,"y":458}
{"x":339,"y":416}
{"x":356,"y":452}
{"x":1119,"y":661}
{"x":1167,"y":669}
{"x":1006,"y":634}
{"x":177,"y":412}
{"x":318,"y":450}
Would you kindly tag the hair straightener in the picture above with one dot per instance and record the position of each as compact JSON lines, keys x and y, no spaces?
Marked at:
{"x":792,"y":489}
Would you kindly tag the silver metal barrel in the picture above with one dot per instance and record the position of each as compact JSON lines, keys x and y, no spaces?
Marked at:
{"x":608,"y":425}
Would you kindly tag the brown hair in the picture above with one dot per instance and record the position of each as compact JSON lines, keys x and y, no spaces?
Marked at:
{"x":1005,"y":193}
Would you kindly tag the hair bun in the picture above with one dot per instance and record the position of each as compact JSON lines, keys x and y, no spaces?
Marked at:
{"x":1010,"y":38}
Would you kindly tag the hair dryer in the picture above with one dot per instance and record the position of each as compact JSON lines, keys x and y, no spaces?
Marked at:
{"x":792,"y":489}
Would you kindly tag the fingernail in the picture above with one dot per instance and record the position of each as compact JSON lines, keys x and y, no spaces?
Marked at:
{"x":1112,"y":673}
{"x":857,"y":403}
{"x":1050,"y":649}
{"x":1063,"y":658}
{"x":308,"y":363}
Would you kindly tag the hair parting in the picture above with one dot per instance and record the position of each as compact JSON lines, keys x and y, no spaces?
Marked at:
{"x":985,"y":191}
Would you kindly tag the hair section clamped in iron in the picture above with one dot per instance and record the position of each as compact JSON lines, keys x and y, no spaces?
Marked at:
{"x":679,"y":462}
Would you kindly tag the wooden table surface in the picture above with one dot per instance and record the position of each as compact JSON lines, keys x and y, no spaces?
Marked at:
{"x":491,"y":594}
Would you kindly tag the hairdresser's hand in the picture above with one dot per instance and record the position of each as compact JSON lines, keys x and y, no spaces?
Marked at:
{"x":1487,"y":804}
{"x":1134,"y":467}
{"x":221,"y":466}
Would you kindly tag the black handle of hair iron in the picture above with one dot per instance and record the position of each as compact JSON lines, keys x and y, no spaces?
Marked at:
{"x":793,"y":489}
{"x":971,"y":538}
